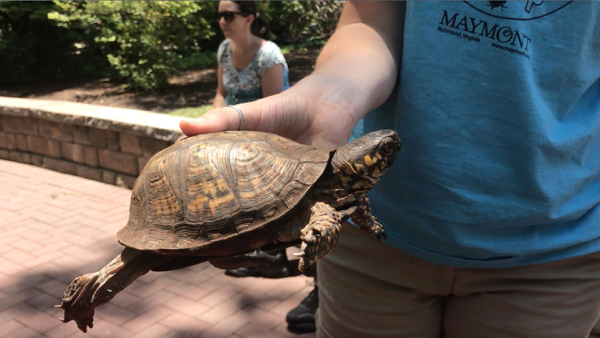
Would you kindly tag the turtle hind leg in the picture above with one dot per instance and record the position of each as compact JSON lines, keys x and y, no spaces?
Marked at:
{"x":366,"y":222}
{"x":89,"y":291}
{"x":240,"y":261}
{"x":320,"y":235}
{"x":179,"y":262}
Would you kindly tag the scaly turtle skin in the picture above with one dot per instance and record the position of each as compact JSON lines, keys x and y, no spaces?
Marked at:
{"x":218,"y":197}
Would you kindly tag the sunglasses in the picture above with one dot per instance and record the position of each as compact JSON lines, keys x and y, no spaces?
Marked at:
{"x":227,"y":15}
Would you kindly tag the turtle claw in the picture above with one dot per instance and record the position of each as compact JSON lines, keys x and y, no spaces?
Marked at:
{"x":375,"y":229}
{"x":76,"y":300}
{"x":89,"y":291}
{"x":307,"y":259}
{"x":319,"y":236}
{"x":367,"y":222}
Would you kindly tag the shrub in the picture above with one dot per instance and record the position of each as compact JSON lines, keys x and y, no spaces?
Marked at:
{"x":34,"y":48}
{"x":142,"y":40}
{"x":308,"y":22}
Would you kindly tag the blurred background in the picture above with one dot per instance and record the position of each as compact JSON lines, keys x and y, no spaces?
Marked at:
{"x":158,"y":56}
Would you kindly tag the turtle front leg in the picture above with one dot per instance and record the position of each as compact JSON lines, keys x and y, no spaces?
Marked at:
{"x":320,"y":235}
{"x":87,"y":292}
{"x":366,"y":221}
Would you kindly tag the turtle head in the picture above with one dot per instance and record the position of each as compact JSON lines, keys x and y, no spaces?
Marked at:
{"x":365,"y":159}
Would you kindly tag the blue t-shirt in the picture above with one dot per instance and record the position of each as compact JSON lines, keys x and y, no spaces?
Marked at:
{"x":245,"y":85}
{"x":498,"y":109}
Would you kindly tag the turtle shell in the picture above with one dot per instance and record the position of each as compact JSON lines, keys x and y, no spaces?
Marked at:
{"x":212,"y":187}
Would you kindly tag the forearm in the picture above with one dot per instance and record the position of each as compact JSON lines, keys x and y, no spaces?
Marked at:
{"x":365,"y":52}
{"x":355,"y":73}
{"x":272,"y":81}
{"x":219,"y":101}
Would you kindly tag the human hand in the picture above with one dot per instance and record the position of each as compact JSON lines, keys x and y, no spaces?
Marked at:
{"x":355,"y":72}
{"x":318,"y":111}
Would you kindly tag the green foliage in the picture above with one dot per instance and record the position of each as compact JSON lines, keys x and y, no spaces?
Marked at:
{"x":309,"y":22}
{"x":191,"y":112}
{"x":197,"y":60}
{"x":302,"y":46}
{"x":142,"y":40}
{"x":33,"y":48}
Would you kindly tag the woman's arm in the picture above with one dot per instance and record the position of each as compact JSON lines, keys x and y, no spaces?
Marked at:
{"x":272,"y":81}
{"x":365,"y":51}
{"x":355,"y":73}
{"x":219,"y":100}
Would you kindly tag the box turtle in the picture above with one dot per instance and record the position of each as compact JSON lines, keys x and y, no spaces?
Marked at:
{"x":218,"y":197}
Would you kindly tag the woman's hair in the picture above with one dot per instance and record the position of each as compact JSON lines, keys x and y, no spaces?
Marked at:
{"x":259,"y":26}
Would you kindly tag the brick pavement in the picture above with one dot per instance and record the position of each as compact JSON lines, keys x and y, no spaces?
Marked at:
{"x":54,"y":227}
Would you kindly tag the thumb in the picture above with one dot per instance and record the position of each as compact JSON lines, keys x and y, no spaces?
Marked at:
{"x":215,"y":120}
{"x":276,"y":114}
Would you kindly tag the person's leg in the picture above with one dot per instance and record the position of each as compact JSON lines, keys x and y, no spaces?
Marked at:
{"x":557,"y":299}
{"x":301,"y":319}
{"x":276,"y":266}
{"x":368,"y":289}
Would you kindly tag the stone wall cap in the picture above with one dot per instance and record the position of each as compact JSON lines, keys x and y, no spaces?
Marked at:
{"x":139,"y":122}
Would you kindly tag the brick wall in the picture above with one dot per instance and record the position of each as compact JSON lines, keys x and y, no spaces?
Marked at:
{"x":98,"y":148}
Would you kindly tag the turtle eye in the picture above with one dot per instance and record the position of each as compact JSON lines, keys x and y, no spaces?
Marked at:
{"x":388,"y":147}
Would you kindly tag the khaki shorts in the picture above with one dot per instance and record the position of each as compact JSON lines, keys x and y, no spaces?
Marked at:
{"x":370,"y":290}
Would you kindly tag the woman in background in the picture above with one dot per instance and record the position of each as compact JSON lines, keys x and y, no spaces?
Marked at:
{"x":250,"y":66}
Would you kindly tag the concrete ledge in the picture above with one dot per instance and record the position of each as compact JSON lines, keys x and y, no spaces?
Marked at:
{"x":137,"y":122}
{"x":107,"y":144}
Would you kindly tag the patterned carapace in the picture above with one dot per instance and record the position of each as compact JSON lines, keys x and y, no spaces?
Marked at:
{"x":218,"y":197}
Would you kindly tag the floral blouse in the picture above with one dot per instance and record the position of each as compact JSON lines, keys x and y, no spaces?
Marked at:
{"x":244,"y":86}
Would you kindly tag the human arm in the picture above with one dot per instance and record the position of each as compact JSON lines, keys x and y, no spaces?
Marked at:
{"x":272,"y":81}
{"x":219,"y":100}
{"x":355,"y":73}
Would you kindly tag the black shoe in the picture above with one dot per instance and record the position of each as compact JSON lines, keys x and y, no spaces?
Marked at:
{"x":301,"y":319}
{"x":276,"y":266}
